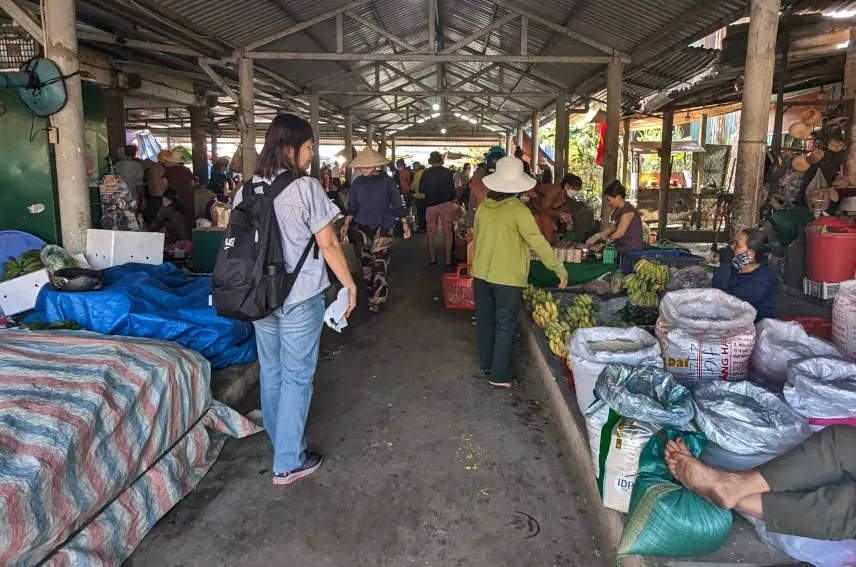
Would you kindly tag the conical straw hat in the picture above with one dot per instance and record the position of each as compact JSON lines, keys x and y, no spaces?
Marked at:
{"x":369,"y":157}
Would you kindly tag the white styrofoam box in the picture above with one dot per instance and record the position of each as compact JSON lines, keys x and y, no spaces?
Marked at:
{"x":108,"y":248}
{"x":19,"y":295}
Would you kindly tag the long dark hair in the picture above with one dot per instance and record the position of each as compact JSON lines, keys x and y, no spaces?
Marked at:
{"x":286,"y":131}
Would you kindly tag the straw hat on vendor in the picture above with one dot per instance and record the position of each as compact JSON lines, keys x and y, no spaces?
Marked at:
{"x":374,"y":204}
{"x":178,"y":157}
{"x":504,"y":232}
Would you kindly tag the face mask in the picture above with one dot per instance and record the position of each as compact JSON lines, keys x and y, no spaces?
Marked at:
{"x":741,"y":260}
{"x":571,"y":193}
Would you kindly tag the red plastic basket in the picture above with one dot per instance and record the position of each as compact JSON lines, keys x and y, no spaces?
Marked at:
{"x":458,"y":289}
{"x":814,"y":326}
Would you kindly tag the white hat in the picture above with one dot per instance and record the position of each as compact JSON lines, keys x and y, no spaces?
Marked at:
{"x":509,"y":177}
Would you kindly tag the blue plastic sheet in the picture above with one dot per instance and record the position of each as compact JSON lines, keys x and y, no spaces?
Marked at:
{"x":157,"y":302}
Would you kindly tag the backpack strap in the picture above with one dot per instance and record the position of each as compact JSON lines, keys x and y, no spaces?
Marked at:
{"x":312,"y":244}
{"x":277,"y":186}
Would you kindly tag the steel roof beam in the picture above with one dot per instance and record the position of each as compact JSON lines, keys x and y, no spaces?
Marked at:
{"x":428,"y":57}
{"x":382,"y":32}
{"x":483,"y":31}
{"x":305,"y":24}
{"x":430,"y":93}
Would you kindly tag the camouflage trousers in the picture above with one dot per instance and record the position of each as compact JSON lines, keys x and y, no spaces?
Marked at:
{"x":374,"y":246}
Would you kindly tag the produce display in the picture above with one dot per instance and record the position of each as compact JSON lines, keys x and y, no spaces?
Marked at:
{"x":639,"y":315}
{"x":580,"y":314}
{"x":29,"y":262}
{"x":545,"y":308}
{"x":558,"y":333}
{"x":647,"y":279}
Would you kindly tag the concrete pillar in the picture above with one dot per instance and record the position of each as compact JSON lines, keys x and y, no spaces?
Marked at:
{"x":349,"y":143}
{"x":520,"y":135}
{"x":248,"y":107}
{"x":314,"y":112}
{"x":508,"y":142}
{"x":382,"y":146}
{"x":755,"y":116}
{"x":625,"y":171}
{"x":198,"y":128}
{"x":213,"y":135}
{"x":533,"y":150}
{"x":114,"y":103}
{"x":849,"y":93}
{"x":610,"y":142}
{"x":665,"y":173}
{"x":392,"y":146}
{"x":73,"y":190}
{"x":369,"y":135}
{"x":561,"y":154}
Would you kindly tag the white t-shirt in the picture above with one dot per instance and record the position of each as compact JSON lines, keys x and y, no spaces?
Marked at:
{"x":302,"y":210}
{"x":132,"y":172}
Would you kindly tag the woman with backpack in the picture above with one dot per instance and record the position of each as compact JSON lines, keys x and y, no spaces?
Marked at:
{"x":288,"y":339}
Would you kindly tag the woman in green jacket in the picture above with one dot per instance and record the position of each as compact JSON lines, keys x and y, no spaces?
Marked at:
{"x":503,"y":233}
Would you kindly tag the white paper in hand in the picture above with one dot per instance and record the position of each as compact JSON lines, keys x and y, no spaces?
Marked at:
{"x":335,"y":314}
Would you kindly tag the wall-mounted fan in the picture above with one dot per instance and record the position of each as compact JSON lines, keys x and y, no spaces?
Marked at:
{"x":40,"y":84}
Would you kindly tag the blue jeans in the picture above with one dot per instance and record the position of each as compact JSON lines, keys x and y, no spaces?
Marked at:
{"x":287,"y":341}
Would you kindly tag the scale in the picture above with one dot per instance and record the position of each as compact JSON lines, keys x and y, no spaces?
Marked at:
{"x":40,"y":86}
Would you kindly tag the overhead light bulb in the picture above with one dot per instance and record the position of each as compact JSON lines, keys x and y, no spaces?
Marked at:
{"x":435,"y":115}
{"x":436,"y":106}
{"x":463,"y":117}
{"x":458,"y":114}
{"x":442,"y":130}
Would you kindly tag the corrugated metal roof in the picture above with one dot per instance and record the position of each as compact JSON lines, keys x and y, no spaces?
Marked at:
{"x":654,"y":32}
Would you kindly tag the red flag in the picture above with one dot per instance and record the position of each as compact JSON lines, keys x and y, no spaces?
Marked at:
{"x":601,"y":136}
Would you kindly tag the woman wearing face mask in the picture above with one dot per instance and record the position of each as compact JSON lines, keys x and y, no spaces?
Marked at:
{"x":625,"y":224}
{"x":553,"y":203}
{"x":288,"y":339}
{"x":746,"y":277}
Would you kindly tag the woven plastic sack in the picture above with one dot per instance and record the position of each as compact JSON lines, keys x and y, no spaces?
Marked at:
{"x":706,"y":334}
{"x":844,"y":319}
{"x":822,"y":389}
{"x":665,"y":518}
{"x":745,"y":424}
{"x":817,"y":552}
{"x":636,"y":403}
{"x":779,"y":342}
{"x":591,"y":350}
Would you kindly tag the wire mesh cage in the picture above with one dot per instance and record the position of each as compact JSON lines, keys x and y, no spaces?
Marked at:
{"x":16,"y":45}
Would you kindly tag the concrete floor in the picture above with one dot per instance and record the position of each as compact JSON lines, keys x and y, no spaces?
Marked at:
{"x":425,"y":465}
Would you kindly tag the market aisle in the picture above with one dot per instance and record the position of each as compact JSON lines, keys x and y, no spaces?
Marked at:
{"x":424,"y":464}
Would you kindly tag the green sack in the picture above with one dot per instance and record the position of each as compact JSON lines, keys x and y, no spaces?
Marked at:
{"x":788,"y":222}
{"x":665,"y":518}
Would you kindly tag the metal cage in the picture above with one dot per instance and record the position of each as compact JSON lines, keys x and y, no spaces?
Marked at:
{"x":16,"y":45}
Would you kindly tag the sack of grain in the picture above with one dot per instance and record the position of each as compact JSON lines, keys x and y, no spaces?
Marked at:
{"x":706,"y":334}
{"x":635,"y":403}
{"x":592,"y":349}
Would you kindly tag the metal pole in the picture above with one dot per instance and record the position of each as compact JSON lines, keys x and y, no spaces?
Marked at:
{"x":665,"y":173}
{"x":610,"y":143}
{"x":349,"y":143}
{"x":73,"y":189}
{"x":248,"y":112}
{"x":561,"y":153}
{"x":783,"y":79}
{"x":314,"y":109}
{"x":214,"y":152}
{"x":699,"y":158}
{"x":198,"y":116}
{"x":392,"y":147}
{"x":625,"y":173}
{"x":533,"y":151}
{"x":508,"y":142}
{"x":755,"y":116}
{"x":428,"y":57}
{"x":520,"y":135}
{"x":382,"y":145}
{"x":369,"y":134}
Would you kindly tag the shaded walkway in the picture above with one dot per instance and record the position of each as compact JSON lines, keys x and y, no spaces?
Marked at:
{"x":424,"y":464}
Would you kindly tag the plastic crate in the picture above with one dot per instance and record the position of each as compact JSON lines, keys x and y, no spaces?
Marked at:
{"x":458,"y":289}
{"x":820,"y":290}
{"x":670,"y":258}
{"x":814,"y":326}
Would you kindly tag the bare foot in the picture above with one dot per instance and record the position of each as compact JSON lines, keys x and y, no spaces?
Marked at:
{"x":720,"y":487}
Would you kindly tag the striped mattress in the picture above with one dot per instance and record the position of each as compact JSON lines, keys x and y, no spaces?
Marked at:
{"x":99,"y":437}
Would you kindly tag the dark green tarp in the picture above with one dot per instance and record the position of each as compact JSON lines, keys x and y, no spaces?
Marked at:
{"x":578,"y":274}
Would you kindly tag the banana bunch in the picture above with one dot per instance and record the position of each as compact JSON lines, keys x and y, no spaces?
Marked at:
{"x":581,"y":312}
{"x":558,"y":332}
{"x":546,"y":312}
{"x":654,"y":273}
{"x":27,"y":263}
{"x":648,"y":278}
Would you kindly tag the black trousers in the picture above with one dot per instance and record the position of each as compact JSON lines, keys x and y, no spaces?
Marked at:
{"x":421,"y":210}
{"x":497,"y":313}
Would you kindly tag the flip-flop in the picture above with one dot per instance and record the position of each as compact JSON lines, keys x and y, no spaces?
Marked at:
{"x":502,"y":385}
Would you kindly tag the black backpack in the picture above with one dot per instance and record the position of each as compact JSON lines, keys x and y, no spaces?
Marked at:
{"x":250,"y":280}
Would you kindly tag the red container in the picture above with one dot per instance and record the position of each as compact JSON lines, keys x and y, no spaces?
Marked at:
{"x":831,"y":257}
{"x":458,"y":289}
{"x":814,"y":326}
{"x":568,"y":375}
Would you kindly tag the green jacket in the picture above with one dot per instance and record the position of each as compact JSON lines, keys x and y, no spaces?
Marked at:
{"x":503,"y":233}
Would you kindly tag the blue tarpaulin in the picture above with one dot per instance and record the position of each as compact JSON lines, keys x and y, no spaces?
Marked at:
{"x":157,"y":302}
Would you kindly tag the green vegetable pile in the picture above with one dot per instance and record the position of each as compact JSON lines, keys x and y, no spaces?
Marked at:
{"x":639,"y":315}
{"x":29,"y":262}
{"x":37,"y":325}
